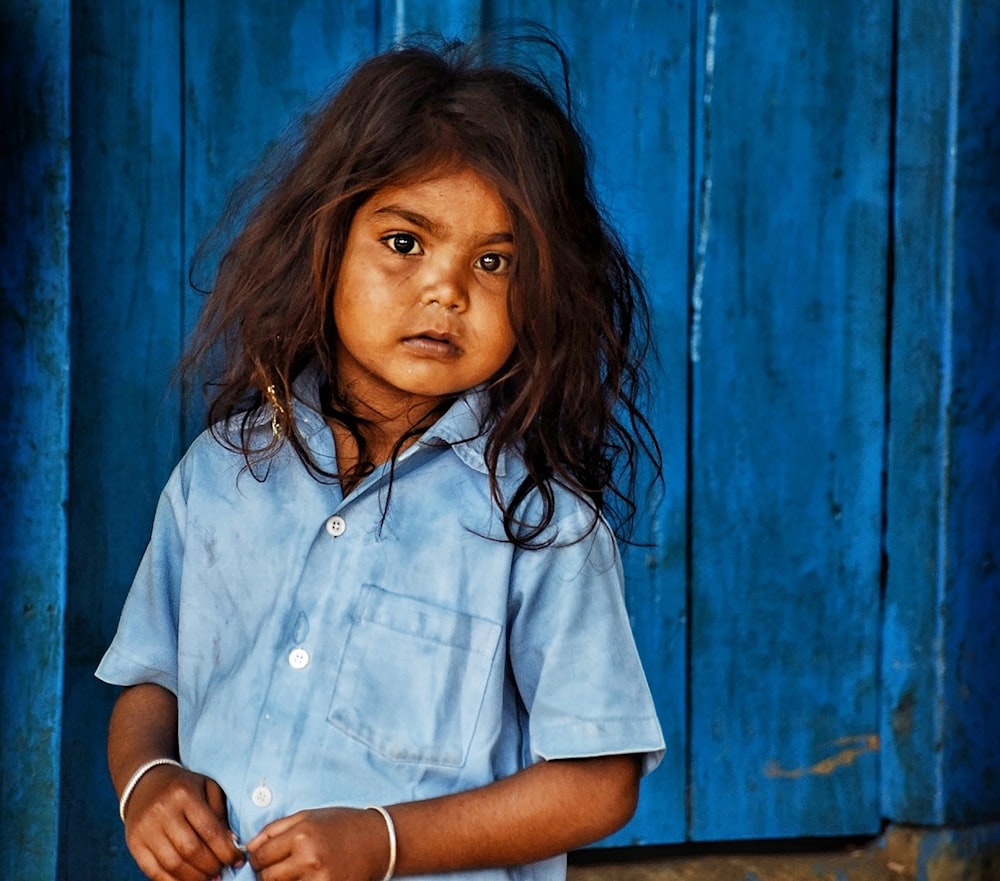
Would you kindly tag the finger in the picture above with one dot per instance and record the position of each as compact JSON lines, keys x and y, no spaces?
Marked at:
{"x":216,"y":799}
{"x":165,"y":864}
{"x":190,"y":849}
{"x":272,"y":849}
{"x":221,"y":841}
{"x":273,"y":829}
{"x":214,"y":836}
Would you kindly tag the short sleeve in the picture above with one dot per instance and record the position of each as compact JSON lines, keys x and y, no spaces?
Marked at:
{"x":573,"y":654}
{"x":145,"y":646}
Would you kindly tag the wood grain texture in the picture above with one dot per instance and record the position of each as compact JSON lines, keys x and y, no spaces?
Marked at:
{"x":34,"y":424}
{"x":127,"y":279}
{"x":941,"y":666}
{"x":788,"y":330}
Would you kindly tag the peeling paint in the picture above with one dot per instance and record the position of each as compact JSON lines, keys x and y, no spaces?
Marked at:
{"x":852,"y":748}
{"x":705,"y":201}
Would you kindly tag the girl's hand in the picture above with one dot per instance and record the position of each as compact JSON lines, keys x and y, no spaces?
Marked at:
{"x":176,"y":827}
{"x":326,"y":844}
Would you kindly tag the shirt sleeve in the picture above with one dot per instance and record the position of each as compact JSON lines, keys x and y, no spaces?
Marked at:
{"x":145,"y":646}
{"x":572,"y":651}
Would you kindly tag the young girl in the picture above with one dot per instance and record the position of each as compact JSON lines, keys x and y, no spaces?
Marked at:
{"x":379,"y":627}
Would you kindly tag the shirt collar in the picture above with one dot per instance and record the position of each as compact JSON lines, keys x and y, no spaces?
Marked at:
{"x":307,"y":408}
{"x":463,"y":426}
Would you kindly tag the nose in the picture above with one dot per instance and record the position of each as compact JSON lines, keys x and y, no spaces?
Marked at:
{"x":445,"y":285}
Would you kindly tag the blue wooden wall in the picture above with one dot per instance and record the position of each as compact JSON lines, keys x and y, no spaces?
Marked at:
{"x":814,"y":200}
{"x":791,"y":227}
{"x":34,"y":427}
{"x":941,"y":644}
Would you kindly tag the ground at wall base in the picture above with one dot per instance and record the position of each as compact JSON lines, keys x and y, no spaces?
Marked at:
{"x":900,"y":854}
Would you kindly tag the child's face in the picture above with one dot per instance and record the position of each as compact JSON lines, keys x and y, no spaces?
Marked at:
{"x":421,"y":299}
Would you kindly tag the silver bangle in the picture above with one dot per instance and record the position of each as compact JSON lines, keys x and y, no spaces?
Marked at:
{"x":136,"y":777}
{"x":391,"y":827}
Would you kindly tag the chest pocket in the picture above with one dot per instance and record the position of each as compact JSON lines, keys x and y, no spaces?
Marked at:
{"x":412,"y":678}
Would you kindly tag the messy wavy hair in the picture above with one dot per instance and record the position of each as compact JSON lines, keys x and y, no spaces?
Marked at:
{"x":568,"y":397}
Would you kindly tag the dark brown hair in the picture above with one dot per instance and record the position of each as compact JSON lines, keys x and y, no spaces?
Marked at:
{"x":568,"y":398}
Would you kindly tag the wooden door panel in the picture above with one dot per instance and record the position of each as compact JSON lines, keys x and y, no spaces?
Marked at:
{"x":127,"y":281}
{"x":788,"y":332}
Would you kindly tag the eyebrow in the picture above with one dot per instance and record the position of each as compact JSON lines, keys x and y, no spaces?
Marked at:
{"x":420,"y":220}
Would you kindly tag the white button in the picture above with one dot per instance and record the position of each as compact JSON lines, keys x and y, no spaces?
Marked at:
{"x":261,"y":796}
{"x":298,"y":658}
{"x":336,"y":526}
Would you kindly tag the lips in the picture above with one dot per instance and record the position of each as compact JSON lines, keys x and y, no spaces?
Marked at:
{"x":433,"y":344}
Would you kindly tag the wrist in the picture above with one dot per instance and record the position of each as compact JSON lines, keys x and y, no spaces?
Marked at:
{"x":137,"y":775}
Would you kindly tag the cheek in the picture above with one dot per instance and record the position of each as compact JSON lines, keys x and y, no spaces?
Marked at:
{"x":351,"y":320}
{"x":505,"y":342}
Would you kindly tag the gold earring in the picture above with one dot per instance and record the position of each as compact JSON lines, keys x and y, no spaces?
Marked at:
{"x":277,"y":411}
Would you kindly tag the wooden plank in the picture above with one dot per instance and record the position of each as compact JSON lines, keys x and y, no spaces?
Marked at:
{"x":34,"y":423}
{"x":941,"y":655}
{"x":127,"y":277}
{"x":630,"y":78}
{"x":788,"y":330}
{"x":251,"y":71}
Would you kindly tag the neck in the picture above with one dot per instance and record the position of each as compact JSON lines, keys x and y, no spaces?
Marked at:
{"x":367,"y":437}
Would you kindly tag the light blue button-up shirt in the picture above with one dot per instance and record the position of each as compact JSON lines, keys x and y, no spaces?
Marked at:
{"x":329,"y":650}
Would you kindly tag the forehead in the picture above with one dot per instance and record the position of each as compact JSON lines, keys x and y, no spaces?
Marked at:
{"x":459,"y":196}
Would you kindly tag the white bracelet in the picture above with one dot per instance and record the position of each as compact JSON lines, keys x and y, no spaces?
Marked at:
{"x":392,"y":839}
{"x":136,"y":777}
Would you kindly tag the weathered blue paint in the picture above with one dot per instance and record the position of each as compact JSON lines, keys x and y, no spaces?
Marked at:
{"x":789,"y":288}
{"x":941,"y":668}
{"x":127,"y":280}
{"x":34,"y":423}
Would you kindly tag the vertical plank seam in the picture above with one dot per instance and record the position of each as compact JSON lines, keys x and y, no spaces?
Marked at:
{"x":487,"y":20}
{"x":184,"y":390}
{"x":890,"y":289}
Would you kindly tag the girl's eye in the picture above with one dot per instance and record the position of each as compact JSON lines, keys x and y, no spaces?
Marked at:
{"x":494,"y":263}
{"x":403,"y":243}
